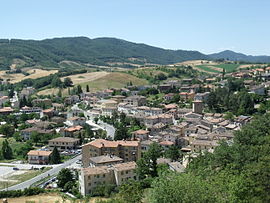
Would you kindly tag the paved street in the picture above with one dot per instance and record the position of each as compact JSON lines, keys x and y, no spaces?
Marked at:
{"x":51,"y":172}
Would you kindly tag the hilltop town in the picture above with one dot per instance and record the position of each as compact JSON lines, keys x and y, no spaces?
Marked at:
{"x":88,"y":143}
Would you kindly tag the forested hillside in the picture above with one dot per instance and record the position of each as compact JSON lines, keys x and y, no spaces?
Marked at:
{"x":98,"y":51}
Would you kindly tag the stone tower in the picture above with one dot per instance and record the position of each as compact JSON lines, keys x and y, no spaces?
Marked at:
{"x":197,"y":106}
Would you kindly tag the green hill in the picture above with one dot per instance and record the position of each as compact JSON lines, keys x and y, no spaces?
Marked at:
{"x":100,"y":51}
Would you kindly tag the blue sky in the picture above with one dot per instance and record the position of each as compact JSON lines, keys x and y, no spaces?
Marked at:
{"x":204,"y":25}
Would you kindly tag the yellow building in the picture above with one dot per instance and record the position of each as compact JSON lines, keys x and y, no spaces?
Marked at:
{"x":90,"y":178}
{"x":127,"y":150}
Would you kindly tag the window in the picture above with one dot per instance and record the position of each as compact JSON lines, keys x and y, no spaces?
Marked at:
{"x":126,"y":172}
{"x":103,"y":175}
{"x":97,"y":176}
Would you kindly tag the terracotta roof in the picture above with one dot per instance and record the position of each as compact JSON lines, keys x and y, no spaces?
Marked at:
{"x":95,"y":170}
{"x":6,"y":109}
{"x":125,"y":166}
{"x":75,"y":128}
{"x":39,"y":153}
{"x":47,"y":110}
{"x":99,"y":143}
{"x":166,"y":143}
{"x":105,"y":159}
{"x":64,"y":139}
{"x":141,"y":132}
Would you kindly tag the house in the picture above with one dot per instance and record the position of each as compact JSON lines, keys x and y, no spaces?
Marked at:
{"x":127,"y":150}
{"x":145,"y":145}
{"x":71,"y":99}
{"x":108,"y":111}
{"x":90,"y":178}
{"x":26,"y":133}
{"x":106,"y":103}
{"x":202,"y":96}
{"x":48,"y":112}
{"x":74,"y":121}
{"x":28,"y":110}
{"x":42,"y":102}
{"x":6,"y":110}
{"x":168,"y":96}
{"x":58,"y":107}
{"x":104,"y":160}
{"x":166,"y":119}
{"x":39,"y":157}
{"x":26,"y":92}
{"x":64,"y":143}
{"x":164,"y":87}
{"x":260,"y":90}
{"x":118,"y":98}
{"x":166,"y":144}
{"x":203,"y":145}
{"x":176,"y":167}
{"x":141,"y":134}
{"x":72,"y":131}
{"x":135,"y":100}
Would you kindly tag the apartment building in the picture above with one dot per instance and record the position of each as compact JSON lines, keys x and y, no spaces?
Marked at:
{"x":126,"y":150}
{"x":90,"y":178}
{"x":64,"y":143}
{"x":135,"y":100}
{"x":39,"y":157}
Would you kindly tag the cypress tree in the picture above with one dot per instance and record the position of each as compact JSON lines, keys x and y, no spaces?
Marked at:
{"x":55,"y":157}
{"x":6,"y":150}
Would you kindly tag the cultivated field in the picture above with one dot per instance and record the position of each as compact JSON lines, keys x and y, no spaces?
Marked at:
{"x":34,"y":73}
{"x":217,"y":68}
{"x":98,"y":81}
{"x":87,"y":77}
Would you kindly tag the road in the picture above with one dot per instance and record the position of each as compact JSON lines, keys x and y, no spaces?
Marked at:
{"x":101,"y":125}
{"x":109,"y":128}
{"x":50,"y":172}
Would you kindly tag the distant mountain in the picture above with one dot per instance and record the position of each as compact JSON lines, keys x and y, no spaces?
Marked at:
{"x":233,"y":56}
{"x":100,"y":51}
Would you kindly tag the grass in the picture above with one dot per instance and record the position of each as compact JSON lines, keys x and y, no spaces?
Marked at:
{"x":17,"y":179}
{"x":219,"y":68}
{"x":7,"y":165}
{"x":228,"y":67}
{"x":208,"y":69}
{"x":53,"y":197}
{"x":153,"y":97}
{"x":99,"y":81}
{"x":114,"y":80}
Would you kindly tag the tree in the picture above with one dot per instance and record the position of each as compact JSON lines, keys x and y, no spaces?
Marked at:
{"x":59,"y":94}
{"x":147,"y":165}
{"x":173,"y":153}
{"x":87,"y":88}
{"x":79,"y":89}
{"x":131,"y":192}
{"x":56,"y":82}
{"x":6,"y":150}
{"x":55,"y":157}
{"x":35,"y":137}
{"x":63,"y":177}
{"x":68,"y":82}
{"x":7,"y":130}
